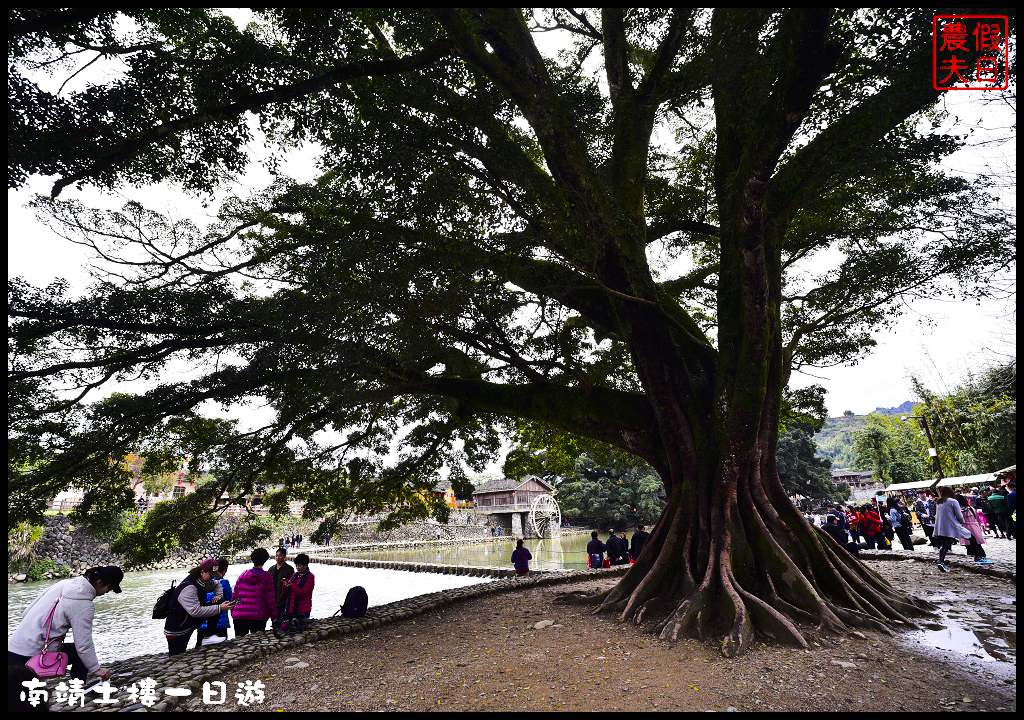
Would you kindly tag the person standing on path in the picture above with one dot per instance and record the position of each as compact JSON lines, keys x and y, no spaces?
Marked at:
{"x":255,"y":596}
{"x":973,"y":524}
{"x":300,"y":588}
{"x":595,"y":551}
{"x":521,"y":558}
{"x":71,"y":602}
{"x":188,"y":608}
{"x":871,"y":523}
{"x":949,"y":524}
{"x":853,"y":522}
{"x":900,"y":522}
{"x":1011,"y":508}
{"x":1000,"y":512}
{"x":219,"y":628}
{"x":281,"y":572}
{"x":639,"y":540}
{"x":831,"y":528}
{"x":615,"y":549}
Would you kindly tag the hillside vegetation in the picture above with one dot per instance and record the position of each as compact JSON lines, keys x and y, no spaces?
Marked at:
{"x":835,"y":441}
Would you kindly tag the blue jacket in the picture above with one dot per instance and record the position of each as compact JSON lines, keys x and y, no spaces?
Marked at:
{"x":223,"y":621}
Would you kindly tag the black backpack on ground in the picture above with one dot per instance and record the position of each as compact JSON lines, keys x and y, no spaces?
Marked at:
{"x":355,"y":602}
{"x":163,"y":603}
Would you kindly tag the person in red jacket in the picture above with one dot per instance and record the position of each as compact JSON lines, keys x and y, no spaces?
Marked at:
{"x":300,"y":586}
{"x":871,"y":526}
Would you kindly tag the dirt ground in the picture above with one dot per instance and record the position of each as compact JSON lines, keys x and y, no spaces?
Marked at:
{"x":486,"y":655}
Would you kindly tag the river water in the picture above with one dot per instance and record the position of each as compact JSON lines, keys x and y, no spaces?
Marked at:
{"x":124,"y":627}
{"x":565,"y":553}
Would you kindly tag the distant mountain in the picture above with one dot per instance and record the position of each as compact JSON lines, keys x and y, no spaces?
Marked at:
{"x":903,"y":409}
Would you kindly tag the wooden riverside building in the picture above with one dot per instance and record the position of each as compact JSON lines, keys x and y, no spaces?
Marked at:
{"x":510,"y":500}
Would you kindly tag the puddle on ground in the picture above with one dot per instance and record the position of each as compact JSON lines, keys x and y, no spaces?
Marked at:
{"x":971,"y":632}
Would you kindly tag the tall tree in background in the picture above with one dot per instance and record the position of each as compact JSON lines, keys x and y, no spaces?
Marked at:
{"x":894,"y":451}
{"x":975,"y":425}
{"x":617,"y":496}
{"x":616,"y":238}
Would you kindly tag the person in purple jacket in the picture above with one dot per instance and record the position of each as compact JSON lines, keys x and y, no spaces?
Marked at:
{"x":255,"y":599}
{"x":521,"y":558}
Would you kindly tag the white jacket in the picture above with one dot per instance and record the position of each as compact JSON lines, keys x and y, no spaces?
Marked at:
{"x":74,"y":612}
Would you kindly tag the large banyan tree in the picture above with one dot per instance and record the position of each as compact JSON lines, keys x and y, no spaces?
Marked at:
{"x":630,"y":226}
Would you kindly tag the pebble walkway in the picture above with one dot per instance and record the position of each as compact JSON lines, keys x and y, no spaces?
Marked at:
{"x":184,"y":675}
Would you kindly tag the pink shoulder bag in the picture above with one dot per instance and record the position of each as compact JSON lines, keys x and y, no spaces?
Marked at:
{"x":49,"y":664}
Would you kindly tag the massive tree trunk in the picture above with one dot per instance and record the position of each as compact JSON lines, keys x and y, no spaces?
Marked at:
{"x":731,"y":556}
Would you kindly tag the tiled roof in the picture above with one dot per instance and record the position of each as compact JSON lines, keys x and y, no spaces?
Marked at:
{"x":506,"y":484}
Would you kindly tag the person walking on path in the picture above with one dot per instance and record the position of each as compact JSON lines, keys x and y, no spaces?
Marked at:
{"x":281,"y":572}
{"x":973,"y":524}
{"x":255,"y":598}
{"x":71,"y":602}
{"x":219,"y":628}
{"x":188,"y":609}
{"x":949,"y":525}
{"x":300,"y":588}
{"x":900,"y":522}
{"x":521,"y":558}
{"x":595,"y":551}
{"x":637,"y":543}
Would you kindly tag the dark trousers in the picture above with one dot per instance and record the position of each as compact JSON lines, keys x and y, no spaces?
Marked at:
{"x":177,"y":645}
{"x":244,"y":627}
{"x":903,"y":532}
{"x":974,"y":548}
{"x":1006,"y":524}
{"x":876,"y":540}
{"x":75,"y":665}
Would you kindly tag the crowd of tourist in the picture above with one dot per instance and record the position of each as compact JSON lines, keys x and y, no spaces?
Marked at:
{"x":945,"y":518}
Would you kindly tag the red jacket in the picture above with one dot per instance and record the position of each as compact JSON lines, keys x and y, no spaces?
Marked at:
{"x":871,"y":523}
{"x":300,"y":601}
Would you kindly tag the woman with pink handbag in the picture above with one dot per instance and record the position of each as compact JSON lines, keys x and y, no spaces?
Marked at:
{"x":38,"y":642}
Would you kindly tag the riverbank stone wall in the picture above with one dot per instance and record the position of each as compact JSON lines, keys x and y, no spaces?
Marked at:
{"x":73,"y":549}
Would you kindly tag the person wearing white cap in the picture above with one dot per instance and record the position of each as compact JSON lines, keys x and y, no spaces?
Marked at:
{"x":71,"y":604}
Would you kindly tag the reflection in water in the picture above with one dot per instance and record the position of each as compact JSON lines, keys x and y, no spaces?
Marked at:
{"x":124,"y":626}
{"x":971,"y":632}
{"x":568,"y":552}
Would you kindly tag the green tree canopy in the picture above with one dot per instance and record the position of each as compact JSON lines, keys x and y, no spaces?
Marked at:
{"x":893,"y":450}
{"x":634,"y":236}
{"x":975,"y":425}
{"x":617,"y":496}
{"x":803,"y":473}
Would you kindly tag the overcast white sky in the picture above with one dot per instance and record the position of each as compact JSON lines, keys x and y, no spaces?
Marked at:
{"x":963,"y":336}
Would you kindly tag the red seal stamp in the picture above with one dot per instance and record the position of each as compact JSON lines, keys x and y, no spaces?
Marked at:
{"x":970,"y":52}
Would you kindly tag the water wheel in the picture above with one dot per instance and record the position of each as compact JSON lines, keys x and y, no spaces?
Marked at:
{"x":545,"y":517}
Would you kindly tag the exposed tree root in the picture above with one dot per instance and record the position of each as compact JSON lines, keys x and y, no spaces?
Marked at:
{"x":762,"y":576}
{"x":580,"y":597}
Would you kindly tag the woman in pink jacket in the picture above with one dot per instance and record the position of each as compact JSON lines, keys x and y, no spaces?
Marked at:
{"x":300,"y":585}
{"x":255,"y":599}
